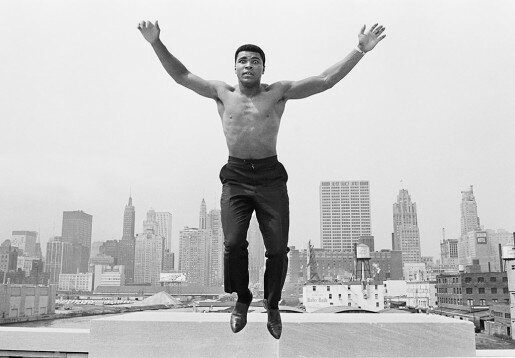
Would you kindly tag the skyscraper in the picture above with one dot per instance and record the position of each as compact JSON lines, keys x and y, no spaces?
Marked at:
{"x":25,"y":241}
{"x":148,"y":258}
{"x":59,"y":258}
{"x":215,"y":247}
{"x":128,"y":242}
{"x":256,"y":251}
{"x":129,"y":220}
{"x":150,"y":224}
{"x":76,"y":229}
{"x":193,"y":256}
{"x":164,"y":228}
{"x":344,"y":213}
{"x":469,"y":218}
{"x":202,"y":222}
{"x":406,"y":236}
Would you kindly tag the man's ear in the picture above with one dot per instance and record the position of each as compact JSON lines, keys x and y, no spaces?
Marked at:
{"x":263,"y":70}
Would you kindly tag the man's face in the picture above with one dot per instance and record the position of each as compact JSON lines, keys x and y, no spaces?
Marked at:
{"x":249,"y":67}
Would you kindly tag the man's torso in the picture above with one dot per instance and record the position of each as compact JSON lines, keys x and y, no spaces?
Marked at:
{"x":251,"y":124}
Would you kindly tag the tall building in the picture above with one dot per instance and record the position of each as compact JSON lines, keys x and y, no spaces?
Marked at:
{"x":129,"y":220}
{"x":150,"y":224}
{"x":8,"y":257}
{"x":148,"y":258}
{"x":484,"y":246}
{"x":128,"y":243}
{"x":469,"y":218}
{"x":25,"y":241}
{"x":406,"y":236}
{"x":215,"y":247}
{"x":256,"y":251}
{"x":77,"y":226}
{"x":449,"y":254}
{"x":202,"y":222}
{"x":193,"y":257}
{"x":344,"y":213}
{"x":164,"y":228}
{"x":59,"y":258}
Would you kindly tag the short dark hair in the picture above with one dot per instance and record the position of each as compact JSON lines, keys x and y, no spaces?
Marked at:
{"x":251,"y":48}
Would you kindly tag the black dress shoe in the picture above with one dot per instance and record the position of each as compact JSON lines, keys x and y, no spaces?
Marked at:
{"x":274,"y":324}
{"x":239,"y":316}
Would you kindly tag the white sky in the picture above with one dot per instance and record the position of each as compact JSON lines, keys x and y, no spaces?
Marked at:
{"x":87,"y":111}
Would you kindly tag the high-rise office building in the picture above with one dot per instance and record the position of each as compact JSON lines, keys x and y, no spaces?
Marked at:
{"x":148,"y":258}
{"x":59,"y":258}
{"x":202,"y":221}
{"x":344,"y":213}
{"x":25,"y":241}
{"x":8,"y":257}
{"x":129,"y":221}
{"x":469,"y":218}
{"x":127,"y":244}
{"x":406,"y":236}
{"x":77,"y":226}
{"x":150,"y":224}
{"x":164,"y":228}
{"x":256,"y":251}
{"x":193,"y":255}
{"x":215,"y":247}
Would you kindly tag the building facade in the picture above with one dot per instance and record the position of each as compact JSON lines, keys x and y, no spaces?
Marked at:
{"x":406,"y":236}
{"x":76,"y":282}
{"x":344,"y":214}
{"x":148,"y":258}
{"x":59,"y":258}
{"x":25,"y":241}
{"x":193,"y":257}
{"x":347,"y":294}
{"x":77,"y":228}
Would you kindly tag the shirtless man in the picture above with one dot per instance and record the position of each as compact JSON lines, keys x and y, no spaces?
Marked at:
{"x":253,"y":179}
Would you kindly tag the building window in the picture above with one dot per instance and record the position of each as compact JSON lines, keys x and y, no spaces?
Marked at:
{"x":349,"y":304}
{"x":377,"y":304}
{"x":470,"y":302}
{"x":468,"y":279}
{"x":330,"y":296}
{"x":494,"y":289}
{"x":494,"y":300}
{"x":493,"y":279}
{"x":375,"y":287}
{"x":482,"y":302}
{"x":339,"y":296}
{"x":348,"y":296}
{"x":328,"y":288}
{"x":505,"y":279}
{"x":505,"y":290}
{"x":480,"y":279}
{"x":481,"y":290}
{"x":507,"y":315}
{"x":377,"y":296}
{"x":314,"y":288}
{"x":469,"y":290}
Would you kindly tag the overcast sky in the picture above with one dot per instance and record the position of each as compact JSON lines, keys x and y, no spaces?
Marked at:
{"x":87,"y":112}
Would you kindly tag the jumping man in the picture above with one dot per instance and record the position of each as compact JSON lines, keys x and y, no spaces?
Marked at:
{"x":253,"y":179}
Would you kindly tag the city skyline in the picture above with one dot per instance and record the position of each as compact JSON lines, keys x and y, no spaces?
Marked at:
{"x":79,"y":132}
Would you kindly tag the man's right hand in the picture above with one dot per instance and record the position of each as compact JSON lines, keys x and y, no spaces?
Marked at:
{"x":149,"y":31}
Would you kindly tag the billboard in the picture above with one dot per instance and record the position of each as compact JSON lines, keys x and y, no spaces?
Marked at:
{"x":172,"y":277}
{"x":481,"y":237}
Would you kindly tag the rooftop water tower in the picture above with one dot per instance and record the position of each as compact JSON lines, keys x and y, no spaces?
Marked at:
{"x":362,"y":262}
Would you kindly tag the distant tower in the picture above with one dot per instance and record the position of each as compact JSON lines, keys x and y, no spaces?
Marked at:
{"x":469,"y":218}
{"x":406,"y":236}
{"x":312,"y":264}
{"x":151,"y":225}
{"x":215,"y":248}
{"x":256,"y":250}
{"x":76,"y":229}
{"x":202,"y":224}
{"x":129,"y":221}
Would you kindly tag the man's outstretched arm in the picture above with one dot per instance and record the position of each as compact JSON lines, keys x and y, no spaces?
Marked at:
{"x":174,"y":67}
{"x":327,"y":79}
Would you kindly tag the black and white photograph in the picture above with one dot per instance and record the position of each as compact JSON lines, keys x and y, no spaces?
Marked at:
{"x":199,"y":178}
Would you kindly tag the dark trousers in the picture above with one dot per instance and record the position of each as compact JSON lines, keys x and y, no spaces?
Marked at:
{"x":255,"y":185}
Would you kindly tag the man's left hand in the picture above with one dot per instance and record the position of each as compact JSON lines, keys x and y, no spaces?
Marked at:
{"x":369,"y":40}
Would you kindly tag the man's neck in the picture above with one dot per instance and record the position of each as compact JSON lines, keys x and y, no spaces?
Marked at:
{"x":250,"y":91}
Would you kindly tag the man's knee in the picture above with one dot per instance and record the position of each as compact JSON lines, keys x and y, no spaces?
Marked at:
{"x":277,"y":253}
